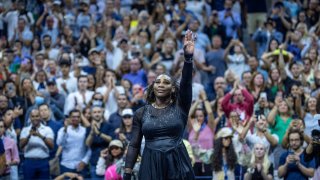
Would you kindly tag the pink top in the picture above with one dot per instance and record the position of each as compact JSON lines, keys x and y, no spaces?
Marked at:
{"x":11,"y":150}
{"x":111,"y":173}
{"x":205,"y":139}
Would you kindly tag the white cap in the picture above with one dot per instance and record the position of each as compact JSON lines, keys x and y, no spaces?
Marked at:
{"x":57,"y":2}
{"x":116,"y":143}
{"x":224,"y":132}
{"x":127,"y":112}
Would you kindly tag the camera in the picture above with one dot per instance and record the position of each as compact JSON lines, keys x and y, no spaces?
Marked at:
{"x":34,"y":128}
{"x":315,"y":134}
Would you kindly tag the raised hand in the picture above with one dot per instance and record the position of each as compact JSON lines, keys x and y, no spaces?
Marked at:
{"x":188,"y":45}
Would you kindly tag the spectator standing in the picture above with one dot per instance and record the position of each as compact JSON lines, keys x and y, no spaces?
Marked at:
{"x":36,"y":140}
{"x":230,"y":19}
{"x":75,"y":153}
{"x":115,"y":118}
{"x":215,"y":58}
{"x":137,"y":74}
{"x":11,"y":154}
{"x":98,"y":137}
{"x":242,"y":103}
{"x":66,"y":83}
{"x":110,"y":91}
{"x":292,"y":163}
{"x":80,"y":98}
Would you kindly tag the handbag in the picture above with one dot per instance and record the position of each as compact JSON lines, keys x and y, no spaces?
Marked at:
{"x":55,"y":166}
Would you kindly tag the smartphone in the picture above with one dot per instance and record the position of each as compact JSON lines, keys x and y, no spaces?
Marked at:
{"x":295,"y":117}
{"x":263,"y":95}
{"x":319,"y":122}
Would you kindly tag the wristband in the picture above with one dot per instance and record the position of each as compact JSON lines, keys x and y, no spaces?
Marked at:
{"x":188,"y":58}
{"x":127,"y":176}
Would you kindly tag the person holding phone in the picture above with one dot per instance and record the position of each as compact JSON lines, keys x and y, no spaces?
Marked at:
{"x":36,"y":141}
{"x":292,"y":163}
{"x":261,"y":133}
{"x":279,"y":120}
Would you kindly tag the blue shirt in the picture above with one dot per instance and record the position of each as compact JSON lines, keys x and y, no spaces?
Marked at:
{"x":293,"y":172}
{"x":115,"y":120}
{"x":231,"y":24}
{"x":55,"y":126}
{"x":98,"y":144}
{"x":139,"y":77}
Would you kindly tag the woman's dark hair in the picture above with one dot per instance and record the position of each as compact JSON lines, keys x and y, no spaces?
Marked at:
{"x":150,"y":98}
{"x":122,"y":126}
{"x":36,"y":38}
{"x":95,"y":81}
{"x":252,"y":85}
{"x":109,"y":159}
{"x":273,"y":39}
{"x":217,"y":156}
{"x":41,"y":71}
{"x":215,"y":104}
{"x":203,"y":110}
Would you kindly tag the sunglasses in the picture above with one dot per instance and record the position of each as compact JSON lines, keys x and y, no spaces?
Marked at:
{"x":126,"y":117}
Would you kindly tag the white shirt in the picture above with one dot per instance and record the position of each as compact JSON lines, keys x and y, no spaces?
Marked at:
{"x":12,"y":19}
{"x":76,"y":97}
{"x":114,"y":59}
{"x":71,"y":85}
{"x":237,"y":64}
{"x":311,"y":122}
{"x":254,"y":138}
{"x":111,"y":104}
{"x":36,"y":147}
{"x":74,"y":149}
{"x":196,"y":88}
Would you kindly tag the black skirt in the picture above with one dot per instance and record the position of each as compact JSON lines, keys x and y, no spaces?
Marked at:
{"x":173,"y":164}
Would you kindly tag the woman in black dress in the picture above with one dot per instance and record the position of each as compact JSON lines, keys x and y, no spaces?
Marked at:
{"x":162,"y":122}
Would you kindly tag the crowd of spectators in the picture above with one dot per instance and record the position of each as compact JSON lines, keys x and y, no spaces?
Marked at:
{"x":73,"y":73}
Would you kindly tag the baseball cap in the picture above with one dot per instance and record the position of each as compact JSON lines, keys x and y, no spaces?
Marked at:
{"x":127,"y":112}
{"x":224,"y":132}
{"x":51,"y":82}
{"x":85,"y":2}
{"x":92,"y":50}
{"x":57,"y":2}
{"x":116,"y":143}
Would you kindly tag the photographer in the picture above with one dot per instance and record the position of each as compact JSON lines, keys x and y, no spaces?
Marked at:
{"x":313,"y":149}
{"x":292,"y":163}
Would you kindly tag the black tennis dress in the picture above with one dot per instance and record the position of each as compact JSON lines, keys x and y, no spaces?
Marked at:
{"x":165,"y":156}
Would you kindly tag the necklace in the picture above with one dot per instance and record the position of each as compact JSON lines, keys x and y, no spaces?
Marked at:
{"x":161,"y":107}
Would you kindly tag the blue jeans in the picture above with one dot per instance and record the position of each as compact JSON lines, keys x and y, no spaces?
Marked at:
{"x":93,"y":174}
{"x":36,"y":169}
